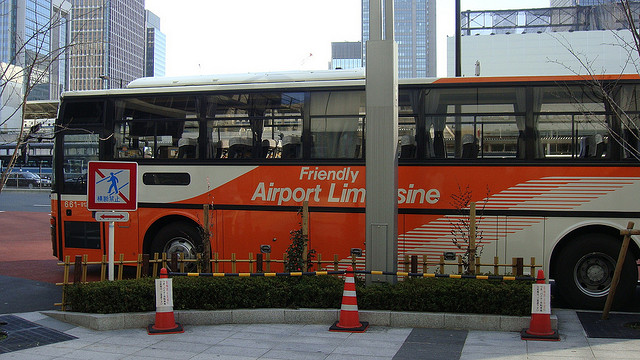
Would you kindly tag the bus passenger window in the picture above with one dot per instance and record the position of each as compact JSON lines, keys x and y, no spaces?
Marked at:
{"x":337,"y":124}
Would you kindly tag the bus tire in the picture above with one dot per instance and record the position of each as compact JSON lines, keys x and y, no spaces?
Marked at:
{"x":585,"y":268}
{"x":178,"y":237}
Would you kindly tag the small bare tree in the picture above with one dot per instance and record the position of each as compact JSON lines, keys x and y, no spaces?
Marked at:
{"x":461,"y":225}
{"x":30,"y":66}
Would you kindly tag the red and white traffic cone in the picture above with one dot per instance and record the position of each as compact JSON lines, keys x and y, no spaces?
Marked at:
{"x":540,"y":325}
{"x":349,"y":320}
{"x":165,"y":320}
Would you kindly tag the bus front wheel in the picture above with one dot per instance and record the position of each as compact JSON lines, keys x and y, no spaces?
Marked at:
{"x":585,"y":268}
{"x":178,"y":237}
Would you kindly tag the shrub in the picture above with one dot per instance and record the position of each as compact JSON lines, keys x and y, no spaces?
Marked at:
{"x":426,"y":295}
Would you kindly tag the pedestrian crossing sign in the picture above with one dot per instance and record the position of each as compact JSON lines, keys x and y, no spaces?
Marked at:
{"x":112,"y":186}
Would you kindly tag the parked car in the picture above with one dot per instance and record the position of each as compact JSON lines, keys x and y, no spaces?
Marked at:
{"x":26,"y":179}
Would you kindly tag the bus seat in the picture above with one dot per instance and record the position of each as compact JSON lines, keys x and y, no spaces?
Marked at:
{"x":187,"y":148}
{"x":222,"y":149}
{"x":407,"y":147}
{"x":291,"y":147}
{"x":631,"y":145}
{"x":167,"y":152}
{"x":438,"y":145}
{"x":469,"y":147}
{"x":587,"y":146}
{"x":240,"y":148}
{"x":600,"y":145}
{"x":269,"y":148}
{"x":520,"y":145}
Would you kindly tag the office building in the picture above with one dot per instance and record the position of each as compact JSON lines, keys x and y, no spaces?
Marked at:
{"x":33,"y":35}
{"x":156,"y":47}
{"x":110,"y":43}
{"x":346,"y":55}
{"x":546,"y":41}
{"x":415,"y":34}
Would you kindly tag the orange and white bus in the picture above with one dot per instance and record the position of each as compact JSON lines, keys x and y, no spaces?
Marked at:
{"x":552,"y":160}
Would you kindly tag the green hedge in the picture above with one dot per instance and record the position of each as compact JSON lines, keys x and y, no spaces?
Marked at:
{"x":427,"y":295}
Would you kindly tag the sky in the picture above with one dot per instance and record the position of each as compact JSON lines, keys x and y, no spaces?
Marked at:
{"x":240,"y":36}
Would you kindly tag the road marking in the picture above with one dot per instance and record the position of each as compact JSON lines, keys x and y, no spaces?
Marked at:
{"x":41,"y":205}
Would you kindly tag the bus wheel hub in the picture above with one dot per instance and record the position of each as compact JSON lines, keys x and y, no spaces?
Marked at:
{"x":181,"y":246}
{"x":593,"y":274}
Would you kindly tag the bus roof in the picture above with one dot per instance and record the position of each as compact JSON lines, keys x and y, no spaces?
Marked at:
{"x":306,"y":79}
{"x":254,"y":78}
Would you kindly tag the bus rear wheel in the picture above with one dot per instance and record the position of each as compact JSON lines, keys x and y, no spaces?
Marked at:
{"x":178,"y":238}
{"x":585,"y":268}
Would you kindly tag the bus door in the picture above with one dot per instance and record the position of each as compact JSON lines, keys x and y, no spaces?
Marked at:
{"x":78,"y":233}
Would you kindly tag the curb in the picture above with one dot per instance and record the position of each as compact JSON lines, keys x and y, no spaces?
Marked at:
{"x":396,"y":319}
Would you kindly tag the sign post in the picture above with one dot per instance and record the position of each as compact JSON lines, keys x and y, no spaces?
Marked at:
{"x":112,"y":186}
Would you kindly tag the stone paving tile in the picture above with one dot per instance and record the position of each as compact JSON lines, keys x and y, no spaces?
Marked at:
{"x":21,"y":355}
{"x":180,"y":346}
{"x":235,"y":350}
{"x":372,"y":351}
{"x":92,"y":355}
{"x":224,"y":357}
{"x":293,"y":355}
{"x":356,"y":357}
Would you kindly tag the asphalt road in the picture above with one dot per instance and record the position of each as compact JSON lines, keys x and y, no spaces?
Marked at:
{"x":25,"y":200}
{"x":28,"y":270}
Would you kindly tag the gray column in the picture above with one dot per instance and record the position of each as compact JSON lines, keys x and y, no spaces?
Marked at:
{"x":381,"y":144}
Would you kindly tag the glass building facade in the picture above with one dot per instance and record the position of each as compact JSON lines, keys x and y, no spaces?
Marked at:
{"x":346,"y":55}
{"x":415,"y":34}
{"x":111,"y":43}
{"x":156,"y":51}
{"x":33,"y":33}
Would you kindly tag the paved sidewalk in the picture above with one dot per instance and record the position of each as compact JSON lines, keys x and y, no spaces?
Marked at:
{"x":286,"y":341}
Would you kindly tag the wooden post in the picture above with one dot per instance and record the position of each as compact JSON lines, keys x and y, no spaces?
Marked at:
{"x":533,"y":265}
{"x":233,"y":262}
{"x":496,"y":267}
{"x":155,"y":264}
{"x":441,"y":264}
{"x":305,"y":234}
{"x":145,"y":264}
{"x":460,"y":270}
{"x":319,"y":266}
{"x":120,"y":266}
{"x":103,"y":268}
{"x":174,"y":262}
{"x":424,"y":264}
{"x":472,"y":237}
{"x":518,"y":268}
{"x":268,"y":260}
{"x":216,"y":262}
{"x":414,"y":263}
{"x":250,"y":262}
{"x":199,"y":262}
{"x":406,"y":263}
{"x":85,"y":259}
{"x":478,"y":265}
{"x":259,"y":262}
{"x":77,"y":269}
{"x":335,"y":262}
{"x":139,"y":267}
{"x":206,"y":242}
{"x":616,"y":275}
